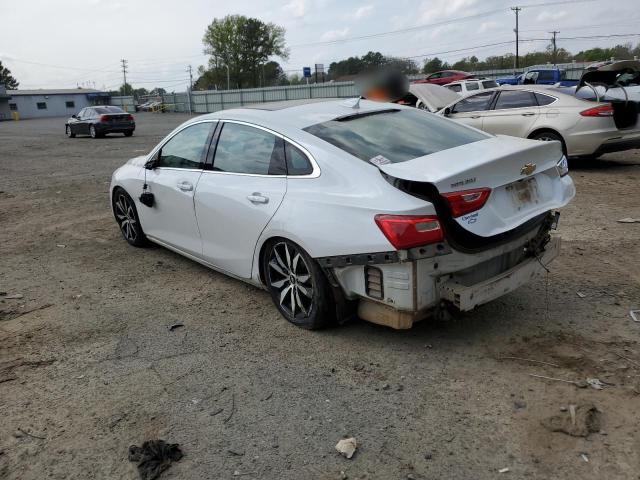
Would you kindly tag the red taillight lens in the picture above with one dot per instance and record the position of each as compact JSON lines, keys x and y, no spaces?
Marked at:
{"x":104,"y":118}
{"x":467,"y":201}
{"x":130,"y":118}
{"x":599,"y":111}
{"x":408,"y":231}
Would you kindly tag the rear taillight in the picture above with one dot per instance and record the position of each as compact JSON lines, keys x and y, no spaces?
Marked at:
{"x":599,"y":111}
{"x":104,"y":118}
{"x":130,"y":118}
{"x":467,"y":201}
{"x":408,"y":231}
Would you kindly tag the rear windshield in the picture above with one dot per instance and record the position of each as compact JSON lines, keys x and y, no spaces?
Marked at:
{"x":103,"y":110}
{"x":393,"y":136}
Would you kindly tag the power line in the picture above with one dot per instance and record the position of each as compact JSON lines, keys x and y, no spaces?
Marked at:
{"x":434,"y":24}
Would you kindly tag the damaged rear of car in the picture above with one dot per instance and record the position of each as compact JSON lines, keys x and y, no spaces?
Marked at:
{"x":480,"y":227}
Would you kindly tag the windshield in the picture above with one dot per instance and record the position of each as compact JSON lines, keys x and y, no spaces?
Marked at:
{"x":393,"y":136}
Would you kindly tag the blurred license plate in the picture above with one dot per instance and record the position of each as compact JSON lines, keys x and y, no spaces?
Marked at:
{"x":524,"y":192}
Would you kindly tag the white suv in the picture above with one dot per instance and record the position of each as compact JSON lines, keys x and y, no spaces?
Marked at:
{"x":463,"y":87}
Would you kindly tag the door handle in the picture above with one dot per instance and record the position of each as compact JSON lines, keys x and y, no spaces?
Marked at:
{"x":528,"y":114}
{"x":475,"y":116}
{"x":185,"y":186}
{"x":256,"y":197}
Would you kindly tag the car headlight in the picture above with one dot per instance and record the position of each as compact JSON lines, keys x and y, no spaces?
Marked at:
{"x":562,"y":166}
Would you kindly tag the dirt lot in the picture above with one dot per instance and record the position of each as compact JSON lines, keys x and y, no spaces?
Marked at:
{"x":88,"y":365}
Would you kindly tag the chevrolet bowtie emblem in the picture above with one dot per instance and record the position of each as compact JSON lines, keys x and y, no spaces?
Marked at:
{"x":528,"y":169}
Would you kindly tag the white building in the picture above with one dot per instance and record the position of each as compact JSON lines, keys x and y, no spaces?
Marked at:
{"x":54,"y":102}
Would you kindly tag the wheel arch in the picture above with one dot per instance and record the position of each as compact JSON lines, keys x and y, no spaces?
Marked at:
{"x":550,"y":130}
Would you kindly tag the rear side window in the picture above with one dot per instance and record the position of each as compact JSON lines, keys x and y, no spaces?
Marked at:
{"x":245,"y":149}
{"x":297,"y":161}
{"x":489,"y":84}
{"x":472,"y":86}
{"x":474,"y":103}
{"x":515,"y":99}
{"x":392,"y":136}
{"x":546,"y":75}
{"x":544,"y":99}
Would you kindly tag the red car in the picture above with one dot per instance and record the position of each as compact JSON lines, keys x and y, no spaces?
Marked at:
{"x":445,"y":76}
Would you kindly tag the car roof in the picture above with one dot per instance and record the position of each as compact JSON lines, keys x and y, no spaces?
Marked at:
{"x":300,"y":114}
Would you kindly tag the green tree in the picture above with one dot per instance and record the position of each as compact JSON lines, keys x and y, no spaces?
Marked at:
{"x":7,"y":79}
{"x":244,"y":45}
{"x":433,"y":65}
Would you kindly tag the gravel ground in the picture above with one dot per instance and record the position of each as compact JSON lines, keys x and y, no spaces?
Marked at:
{"x":88,"y":365}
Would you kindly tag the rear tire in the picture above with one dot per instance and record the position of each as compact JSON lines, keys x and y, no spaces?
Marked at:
{"x":298,"y":286}
{"x":549,"y":136}
{"x":128,"y":134}
{"x":124,"y":210}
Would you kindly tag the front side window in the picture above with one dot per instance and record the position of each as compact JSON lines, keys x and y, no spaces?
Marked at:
{"x":187,"y":148}
{"x":392,"y":136}
{"x":489,"y":84}
{"x":435,"y":75}
{"x":475,"y":103}
{"x":472,"y":86}
{"x":70,"y":104}
{"x":41,"y":105}
{"x":455,"y":88}
{"x":245,"y":149}
{"x":515,"y":99}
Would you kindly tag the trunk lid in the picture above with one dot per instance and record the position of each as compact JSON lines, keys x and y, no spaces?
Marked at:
{"x":117,"y":117}
{"x":521,"y":174}
{"x":434,"y":97}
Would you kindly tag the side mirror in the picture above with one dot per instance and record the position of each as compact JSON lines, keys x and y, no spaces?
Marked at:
{"x":447,"y":111}
{"x":153,"y":163}
{"x":74,"y":116}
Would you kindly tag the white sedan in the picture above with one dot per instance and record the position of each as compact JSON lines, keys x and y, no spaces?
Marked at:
{"x":342,"y":206}
{"x":584,"y":128}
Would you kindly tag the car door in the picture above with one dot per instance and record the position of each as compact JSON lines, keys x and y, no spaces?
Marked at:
{"x":74,"y":122}
{"x":239,"y":194}
{"x":514,"y":112}
{"x":471,"y":110}
{"x":81,"y":126}
{"x":173,"y":181}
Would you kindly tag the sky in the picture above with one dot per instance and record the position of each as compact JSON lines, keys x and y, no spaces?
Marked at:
{"x":69,"y":43}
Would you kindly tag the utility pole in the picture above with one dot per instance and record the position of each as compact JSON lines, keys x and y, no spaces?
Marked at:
{"x":124,"y":74}
{"x":190,"y":86}
{"x":555,"y":50}
{"x":517,"y":11}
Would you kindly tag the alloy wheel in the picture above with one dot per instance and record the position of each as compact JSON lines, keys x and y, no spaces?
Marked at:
{"x":291,"y":277}
{"x":126,"y":216}
{"x":92,"y":131}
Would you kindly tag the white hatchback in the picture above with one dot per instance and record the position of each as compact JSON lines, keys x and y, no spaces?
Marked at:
{"x":337,"y":207}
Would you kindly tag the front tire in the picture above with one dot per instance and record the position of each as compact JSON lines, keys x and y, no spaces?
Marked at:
{"x":124,"y":209}
{"x":299,"y":288}
{"x":69,"y":133}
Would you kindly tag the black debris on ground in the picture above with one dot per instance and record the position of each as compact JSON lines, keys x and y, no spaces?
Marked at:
{"x":154,"y":457}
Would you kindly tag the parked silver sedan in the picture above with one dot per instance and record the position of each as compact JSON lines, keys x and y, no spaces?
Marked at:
{"x":585,"y":128}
